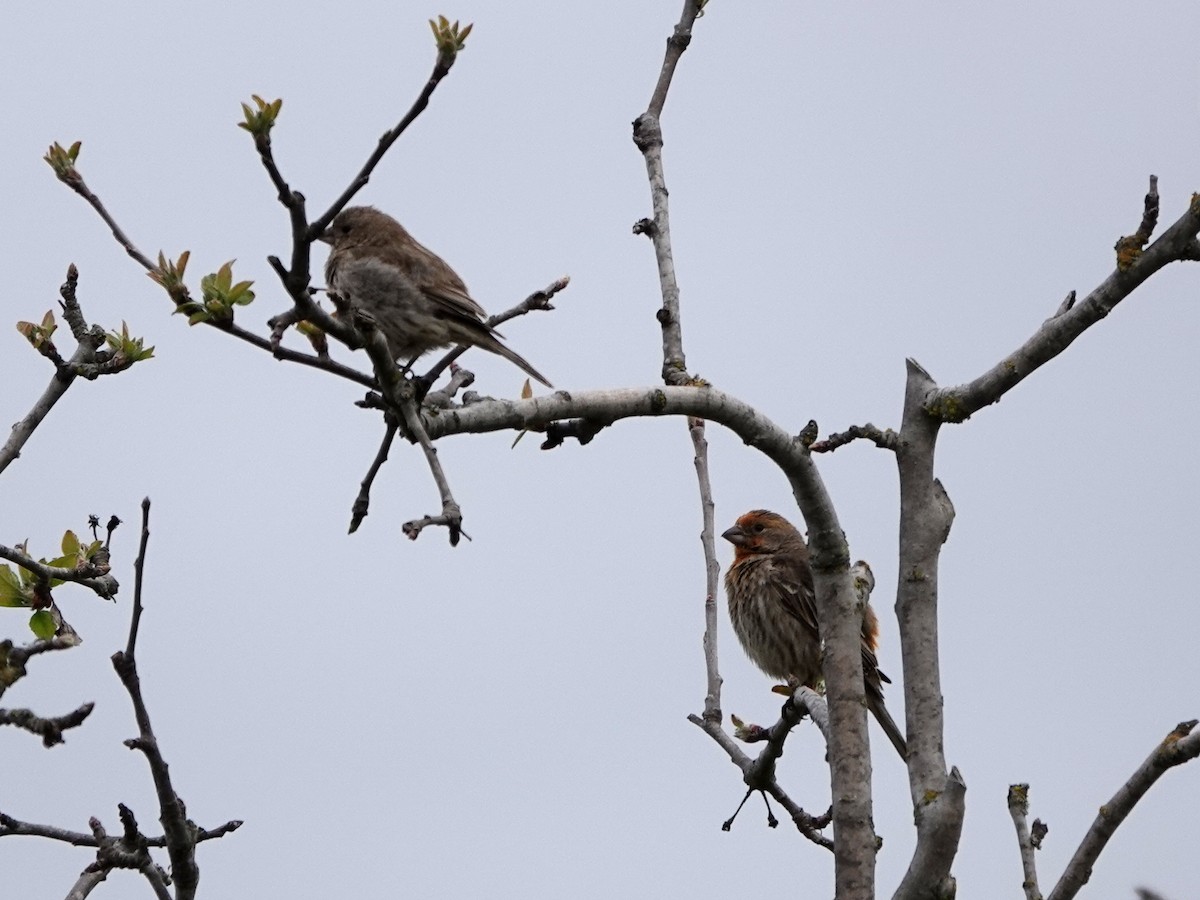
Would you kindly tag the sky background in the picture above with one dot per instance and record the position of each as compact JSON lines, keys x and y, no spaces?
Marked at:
{"x":851,"y":184}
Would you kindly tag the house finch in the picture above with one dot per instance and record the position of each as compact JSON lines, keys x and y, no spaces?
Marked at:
{"x":418,"y":301}
{"x":773,"y":610}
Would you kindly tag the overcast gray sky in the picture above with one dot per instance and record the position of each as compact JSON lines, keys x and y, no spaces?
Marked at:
{"x":851,"y":184}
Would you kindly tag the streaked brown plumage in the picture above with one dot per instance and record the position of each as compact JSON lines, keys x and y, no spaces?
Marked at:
{"x":772,"y":606}
{"x":419,"y":303}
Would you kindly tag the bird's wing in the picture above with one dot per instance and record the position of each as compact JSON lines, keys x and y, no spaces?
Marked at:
{"x":871,"y":671}
{"x":453,"y":301}
{"x":797,"y":597}
{"x":440,"y":283}
{"x":794,"y":591}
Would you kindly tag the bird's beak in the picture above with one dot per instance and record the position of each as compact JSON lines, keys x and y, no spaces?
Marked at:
{"x":735,"y":535}
{"x":326,"y":237}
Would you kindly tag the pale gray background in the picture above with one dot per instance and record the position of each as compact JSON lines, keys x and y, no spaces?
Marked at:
{"x":851,"y":184}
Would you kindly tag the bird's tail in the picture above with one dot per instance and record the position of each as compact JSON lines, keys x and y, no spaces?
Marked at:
{"x":492,"y":344}
{"x":875,"y":704}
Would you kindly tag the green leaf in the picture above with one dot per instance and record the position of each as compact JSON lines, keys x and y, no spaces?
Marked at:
{"x":70,"y":544}
{"x":62,"y":562}
{"x":11,"y":592}
{"x":41,"y":623}
{"x":27,"y":578}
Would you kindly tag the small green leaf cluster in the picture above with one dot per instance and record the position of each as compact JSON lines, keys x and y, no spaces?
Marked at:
{"x":127,"y":350}
{"x":39,"y":335}
{"x":24,"y":589}
{"x":62,"y":161}
{"x":220,"y":296}
{"x":450,"y":37}
{"x":170,"y":275}
{"x":261,"y":120}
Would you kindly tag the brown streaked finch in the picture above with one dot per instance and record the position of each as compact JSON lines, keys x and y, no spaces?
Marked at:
{"x":772,"y":606}
{"x":418,"y":302}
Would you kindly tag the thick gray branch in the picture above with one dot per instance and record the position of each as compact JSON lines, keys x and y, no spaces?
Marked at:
{"x":608,"y":406}
{"x":926,"y":514}
{"x":836,"y":597}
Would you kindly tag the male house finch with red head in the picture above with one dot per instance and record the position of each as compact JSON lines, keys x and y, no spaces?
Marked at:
{"x":418,"y":301}
{"x":772,"y":606}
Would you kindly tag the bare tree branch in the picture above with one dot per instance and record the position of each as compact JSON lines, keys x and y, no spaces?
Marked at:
{"x":85,"y":354}
{"x":451,"y":516}
{"x":96,"y":578}
{"x":884,"y":439}
{"x":363,"y":501}
{"x":1178,"y":747}
{"x":676,"y":44}
{"x":759,"y":774}
{"x":712,"y":674}
{"x":400,"y":394}
{"x":441,"y":68}
{"x":538,"y":300}
{"x":14,"y":827}
{"x":89,"y":879}
{"x":13,"y":658}
{"x":926,"y":515}
{"x":179,"y":832}
{"x":830,"y":553}
{"x":1176,"y":244}
{"x":647,"y":134}
{"x":1018,"y":808}
{"x":317,"y":362}
{"x":50,"y":730}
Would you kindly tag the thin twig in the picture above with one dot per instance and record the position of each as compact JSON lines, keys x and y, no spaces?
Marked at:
{"x":13,"y":659}
{"x":712,"y":674}
{"x":363,"y":501}
{"x":647,"y":135}
{"x":11,"y":827}
{"x":1018,"y":808}
{"x":96,"y":578}
{"x":451,"y":516}
{"x":317,"y":362}
{"x":761,"y":777}
{"x":79,"y":186}
{"x":50,"y":730}
{"x":538,"y":300}
{"x":64,"y":376}
{"x":1178,"y":747}
{"x":884,"y":439}
{"x":676,"y":44}
{"x":1130,"y":248}
{"x":1177,"y":243}
{"x":176,"y":827}
{"x":400,"y":393}
{"x":441,"y":69}
{"x":138,"y":572}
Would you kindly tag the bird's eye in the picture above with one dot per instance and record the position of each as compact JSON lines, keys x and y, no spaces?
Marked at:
{"x":759,"y":527}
